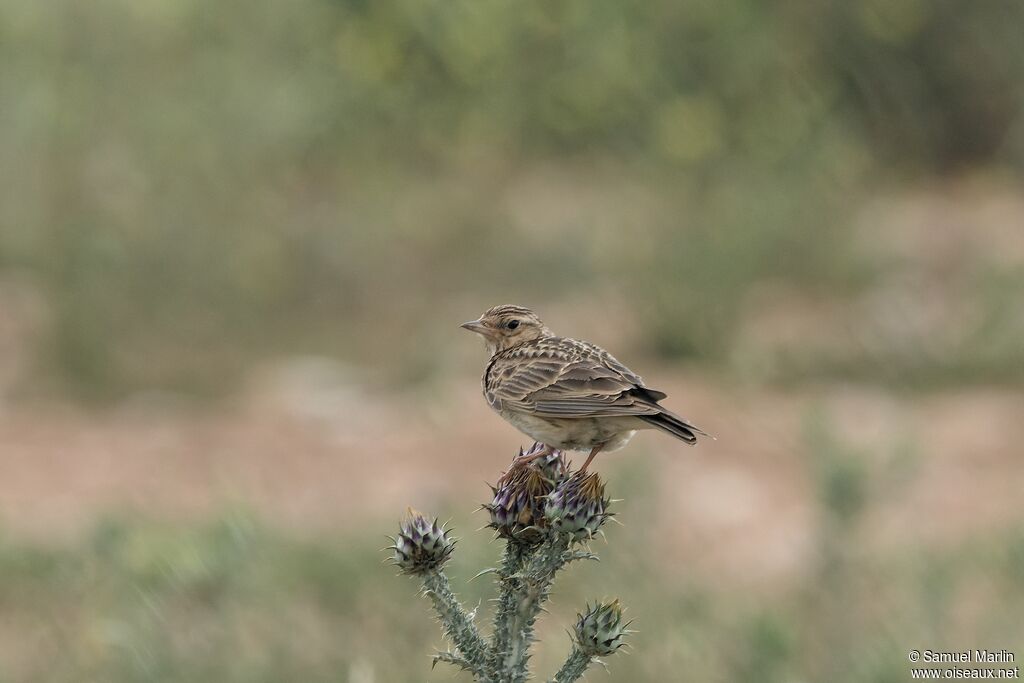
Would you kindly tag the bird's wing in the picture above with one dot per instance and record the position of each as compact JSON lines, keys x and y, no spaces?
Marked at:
{"x":568,"y":379}
{"x":607,"y":360}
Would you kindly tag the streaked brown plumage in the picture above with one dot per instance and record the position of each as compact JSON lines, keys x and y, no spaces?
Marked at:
{"x":566,"y":393}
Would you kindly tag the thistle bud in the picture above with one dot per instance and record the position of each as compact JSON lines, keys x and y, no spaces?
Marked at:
{"x":600,"y":630}
{"x":577,"y":506}
{"x":517,"y":509}
{"x":421,"y":545}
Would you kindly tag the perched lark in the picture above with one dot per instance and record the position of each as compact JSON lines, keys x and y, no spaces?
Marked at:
{"x":566,"y":394}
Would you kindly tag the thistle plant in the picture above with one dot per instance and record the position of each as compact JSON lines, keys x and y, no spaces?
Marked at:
{"x":545,"y":515}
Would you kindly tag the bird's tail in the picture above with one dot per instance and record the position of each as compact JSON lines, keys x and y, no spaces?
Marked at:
{"x":675,"y":425}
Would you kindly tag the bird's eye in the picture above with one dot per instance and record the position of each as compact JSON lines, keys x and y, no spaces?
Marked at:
{"x":512,"y":324}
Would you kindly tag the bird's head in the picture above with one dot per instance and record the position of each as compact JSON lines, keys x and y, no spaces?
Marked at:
{"x":505,"y":326}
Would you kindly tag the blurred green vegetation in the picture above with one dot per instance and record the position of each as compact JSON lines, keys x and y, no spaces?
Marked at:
{"x":235,"y":600}
{"x":194,"y":186}
{"x":190,"y":187}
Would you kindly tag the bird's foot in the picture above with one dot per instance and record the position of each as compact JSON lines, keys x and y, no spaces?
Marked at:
{"x":526,"y":458}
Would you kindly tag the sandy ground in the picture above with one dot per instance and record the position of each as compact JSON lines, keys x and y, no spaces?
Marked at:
{"x":314,"y":454}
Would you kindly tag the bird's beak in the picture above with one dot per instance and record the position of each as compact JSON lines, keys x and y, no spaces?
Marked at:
{"x":475,"y":326}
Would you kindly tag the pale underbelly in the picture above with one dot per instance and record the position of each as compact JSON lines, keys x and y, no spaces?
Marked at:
{"x":580,"y":434}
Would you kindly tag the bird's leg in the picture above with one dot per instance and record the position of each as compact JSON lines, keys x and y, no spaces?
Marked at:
{"x":593,"y":451}
{"x":526,"y":459}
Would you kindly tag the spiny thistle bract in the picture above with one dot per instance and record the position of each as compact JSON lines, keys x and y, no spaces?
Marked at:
{"x":421,"y":545}
{"x":517,"y":509}
{"x":577,"y":506}
{"x":599,"y":630}
{"x":541,"y":510}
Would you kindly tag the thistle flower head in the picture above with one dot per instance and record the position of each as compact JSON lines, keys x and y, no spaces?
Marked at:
{"x":517,"y":509}
{"x":577,"y":506}
{"x":421,"y":545}
{"x":600,"y":630}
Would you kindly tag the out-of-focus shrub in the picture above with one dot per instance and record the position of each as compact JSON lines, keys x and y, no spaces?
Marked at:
{"x":194,"y":185}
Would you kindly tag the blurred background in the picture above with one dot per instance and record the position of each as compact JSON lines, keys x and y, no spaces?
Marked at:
{"x":237,"y":239}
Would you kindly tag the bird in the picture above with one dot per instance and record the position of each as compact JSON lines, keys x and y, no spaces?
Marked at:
{"x":564,"y":393}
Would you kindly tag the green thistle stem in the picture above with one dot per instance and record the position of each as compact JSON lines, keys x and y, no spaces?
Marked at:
{"x":456,"y":621}
{"x":575,"y":665}
{"x":533,"y":591}
{"x":512,"y":563}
